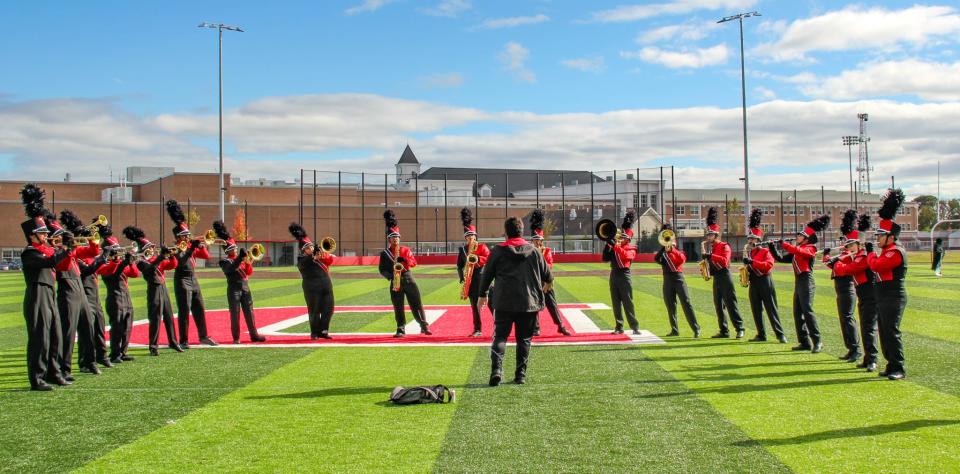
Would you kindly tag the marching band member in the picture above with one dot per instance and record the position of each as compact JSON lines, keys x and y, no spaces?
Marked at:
{"x":396,"y":261}
{"x":724,"y":294}
{"x":91,"y":288}
{"x":76,"y":317}
{"x":620,"y":254}
{"x":671,"y":262}
{"x":471,"y":271}
{"x":152,"y":267}
{"x":763,"y":293}
{"x":39,"y":305}
{"x":846,"y":294}
{"x":314,"y":265}
{"x":237,"y":267}
{"x":890,"y":265}
{"x":186,"y":287}
{"x":801,"y":256}
{"x":855,"y":265}
{"x":536,"y":235}
{"x":116,"y":272}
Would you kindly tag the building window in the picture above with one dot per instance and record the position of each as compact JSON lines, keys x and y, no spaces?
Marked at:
{"x":643,"y":201}
{"x":653,"y":201}
{"x":681,"y":210}
{"x":695,"y":210}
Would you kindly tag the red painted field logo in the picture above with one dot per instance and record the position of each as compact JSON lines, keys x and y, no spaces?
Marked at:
{"x":450,"y":324}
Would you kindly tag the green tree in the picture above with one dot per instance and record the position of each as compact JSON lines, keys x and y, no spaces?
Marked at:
{"x":928,"y":211}
{"x":193,"y":217}
{"x":734,"y":214}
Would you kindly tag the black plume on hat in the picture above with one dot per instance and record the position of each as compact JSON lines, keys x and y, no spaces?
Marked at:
{"x":756,"y":215}
{"x":849,"y":220}
{"x":71,"y":222}
{"x":297,"y":231}
{"x":33,"y":199}
{"x":864,"y":223}
{"x":466,"y":216}
{"x":891,"y":203}
{"x":712,"y":216}
{"x":221,"y":230}
{"x":628,"y":220}
{"x":133,"y":233}
{"x":105,"y":231}
{"x":389,"y":218}
{"x":666,"y":226}
{"x":176,"y":212}
{"x":536,"y":220}
{"x":819,"y":223}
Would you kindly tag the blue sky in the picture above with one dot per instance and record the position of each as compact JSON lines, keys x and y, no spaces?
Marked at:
{"x":339,"y":84}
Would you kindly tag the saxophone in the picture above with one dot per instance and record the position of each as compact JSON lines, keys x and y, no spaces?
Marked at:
{"x":397,"y":268}
{"x":744,"y":270}
{"x":704,"y":264}
{"x":472,"y":261}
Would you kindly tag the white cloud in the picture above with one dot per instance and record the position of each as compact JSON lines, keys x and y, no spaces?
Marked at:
{"x":274,"y":136}
{"x":682,"y":32}
{"x":449,"y":8}
{"x":510,"y":22}
{"x":624,"y":13}
{"x":594,"y":64}
{"x":765,"y":93}
{"x":514,"y":57}
{"x":452,"y":79}
{"x":366,"y":6}
{"x":696,"y":58}
{"x":859,"y":28}
{"x":930,"y":81}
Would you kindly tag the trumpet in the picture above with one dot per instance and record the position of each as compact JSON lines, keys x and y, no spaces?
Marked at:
{"x":704,"y":265}
{"x":94,"y":239}
{"x":744,"y":270}
{"x":667,"y":238}
{"x":100,"y":222}
{"x":210,"y":238}
{"x":256,"y":252}
{"x":607,"y":229}
{"x":776,"y":241}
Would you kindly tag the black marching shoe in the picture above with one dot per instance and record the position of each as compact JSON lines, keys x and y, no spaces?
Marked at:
{"x":617,"y":331}
{"x":41,"y":387}
{"x":425,"y":330}
{"x":116,"y":360}
{"x":104,"y":362}
{"x":817,"y":347}
{"x":176,"y":347}
{"x":800,"y":347}
{"x":564,"y":331}
{"x":185,"y":346}
{"x":782,"y":339}
{"x":400,"y":333}
{"x":871,"y":367}
{"x":257,"y":338}
{"x":314,"y":337}
{"x":758,"y":338}
{"x":154,"y":352}
{"x":476,"y":333}
{"x":93,"y":369}
{"x":854,"y":357}
{"x":207,"y":341}
{"x":59,"y":381}
{"x":495,"y":379}
{"x":720,"y":335}
{"x":636,"y":332}
{"x":68,"y":377}
{"x":536,"y":332}
{"x":236,"y":341}
{"x":520,"y":379}
{"x":673,"y":333}
{"x":325,"y":335}
{"x":845,"y":356}
{"x":739,"y":333}
{"x":896,"y":376}
{"x":126,"y":358}
{"x":696,"y":334}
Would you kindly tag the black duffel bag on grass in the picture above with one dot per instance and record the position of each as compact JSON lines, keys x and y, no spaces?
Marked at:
{"x":415,"y":395}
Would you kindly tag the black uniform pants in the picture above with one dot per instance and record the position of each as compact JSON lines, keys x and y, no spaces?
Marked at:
{"x":240,"y":299}
{"x":121,"y":325}
{"x":805,"y":320}
{"x":725,"y":297}
{"x":763,"y":297}
{"x":503,"y":322}
{"x":674,"y":288}
{"x":867,"y":309}
{"x":40,"y":315}
{"x":621,"y":295}
{"x":892,"y":301}
{"x":159,"y":307}
{"x":320,"y":305}
{"x":99,"y":325}
{"x":550,"y":301}
{"x":410,"y":290}
{"x":76,"y":323}
{"x":189,"y":302}
{"x":846,"y":297}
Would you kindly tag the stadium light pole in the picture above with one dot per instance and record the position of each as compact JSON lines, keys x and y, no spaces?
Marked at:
{"x":743,"y":94}
{"x":220,"y":27}
{"x":849,"y":141}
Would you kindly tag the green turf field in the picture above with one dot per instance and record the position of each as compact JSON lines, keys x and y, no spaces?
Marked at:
{"x":685,"y":406}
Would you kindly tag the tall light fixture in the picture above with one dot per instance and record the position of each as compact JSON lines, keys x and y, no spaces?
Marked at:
{"x":220,"y":27}
{"x":743,"y":94}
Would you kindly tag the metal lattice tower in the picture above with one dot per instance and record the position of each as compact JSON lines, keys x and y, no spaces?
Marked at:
{"x":863,"y":165}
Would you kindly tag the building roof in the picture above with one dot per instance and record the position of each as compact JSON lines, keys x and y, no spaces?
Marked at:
{"x":520,"y":179}
{"x":767,"y":196}
{"x":408,"y":157}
